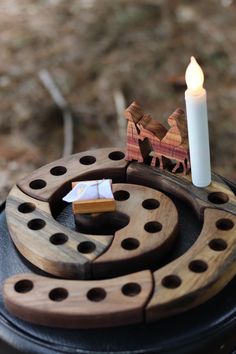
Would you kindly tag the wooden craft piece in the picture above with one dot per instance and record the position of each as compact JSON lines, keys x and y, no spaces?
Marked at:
{"x":71,"y":304}
{"x":201,"y":272}
{"x":56,"y":177}
{"x":189,"y":280}
{"x":46,"y":243}
{"x":148,"y":234}
{"x":171,"y":144}
{"x":93,"y":206}
{"x":218,"y":195}
{"x":135,"y":148}
{"x":178,"y":133}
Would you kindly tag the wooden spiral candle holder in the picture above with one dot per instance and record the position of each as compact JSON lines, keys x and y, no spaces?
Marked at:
{"x":145,"y":225}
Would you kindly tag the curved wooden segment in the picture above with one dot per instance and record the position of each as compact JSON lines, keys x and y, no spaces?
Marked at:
{"x":151,"y":230}
{"x":218,"y":195}
{"x":78,"y":304}
{"x":201,"y":272}
{"x":48,"y":244}
{"x":47,"y":180}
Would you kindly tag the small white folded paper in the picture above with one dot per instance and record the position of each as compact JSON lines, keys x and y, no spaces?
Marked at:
{"x":90,"y":190}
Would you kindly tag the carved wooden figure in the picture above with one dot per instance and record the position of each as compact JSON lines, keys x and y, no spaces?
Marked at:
{"x":136,"y":149}
{"x":154,"y":131}
{"x":175,"y":143}
{"x":172,"y":144}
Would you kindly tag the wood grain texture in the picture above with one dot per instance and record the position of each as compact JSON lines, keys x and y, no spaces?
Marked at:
{"x":218,"y":195}
{"x":56,"y":177}
{"x":146,"y":223}
{"x":148,"y":235}
{"x":48,"y":244}
{"x":201,"y":272}
{"x":171,"y":144}
{"x":77,"y":304}
{"x":93,"y":206}
{"x":136,"y":149}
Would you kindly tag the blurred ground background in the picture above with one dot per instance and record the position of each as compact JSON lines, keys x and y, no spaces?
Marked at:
{"x":96,"y":48}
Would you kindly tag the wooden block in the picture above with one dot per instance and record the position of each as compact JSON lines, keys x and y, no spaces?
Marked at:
{"x":93,"y":206}
{"x":76,"y":304}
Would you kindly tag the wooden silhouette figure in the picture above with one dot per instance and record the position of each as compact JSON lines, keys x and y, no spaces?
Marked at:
{"x":154,"y":131}
{"x":136,"y":149}
{"x":178,"y":133}
{"x":175,"y":141}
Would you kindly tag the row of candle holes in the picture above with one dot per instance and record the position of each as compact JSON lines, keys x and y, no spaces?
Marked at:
{"x":94,"y":294}
{"x":199,"y":266}
{"x":87,"y":246}
{"x":128,"y":243}
{"x":170,"y":281}
{"x":61,"y":170}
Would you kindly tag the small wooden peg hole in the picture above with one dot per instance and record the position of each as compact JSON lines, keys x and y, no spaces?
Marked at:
{"x":86,"y":247}
{"x":58,"y":239}
{"x":130,"y":244}
{"x":58,"y":294}
{"x":37,"y":184}
{"x":87,"y":160}
{"x":58,"y":171}
{"x":150,"y":204}
{"x":26,"y":208}
{"x":171,"y":281}
{"x":198,"y":266}
{"x":153,"y":226}
{"x":96,"y":294}
{"x":121,"y":195}
{"x":224,"y":224}
{"x":36,"y":224}
{"x":24,"y":286}
{"x":131,"y":289}
{"x":218,"y":198}
{"x":217,"y":244}
{"x":116,"y":155}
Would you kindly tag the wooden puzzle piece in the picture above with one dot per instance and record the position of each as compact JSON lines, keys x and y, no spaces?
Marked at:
{"x":148,"y":235}
{"x":78,"y":304}
{"x":47,"y":244}
{"x":201,"y":272}
{"x":57,"y":176}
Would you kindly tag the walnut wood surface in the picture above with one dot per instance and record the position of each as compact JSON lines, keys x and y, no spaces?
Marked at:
{"x":83,"y":304}
{"x":218,"y":195}
{"x":201,"y":272}
{"x":148,"y":235}
{"x":189,"y":280}
{"x":43,"y":183}
{"x":46,"y":243}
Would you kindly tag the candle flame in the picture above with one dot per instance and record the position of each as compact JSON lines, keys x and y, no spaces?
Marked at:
{"x":194,"y":76}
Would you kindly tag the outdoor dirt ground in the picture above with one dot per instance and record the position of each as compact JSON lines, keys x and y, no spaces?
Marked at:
{"x":94,"y":48}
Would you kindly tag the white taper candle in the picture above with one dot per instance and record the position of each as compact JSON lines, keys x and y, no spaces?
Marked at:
{"x":196,"y":108}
